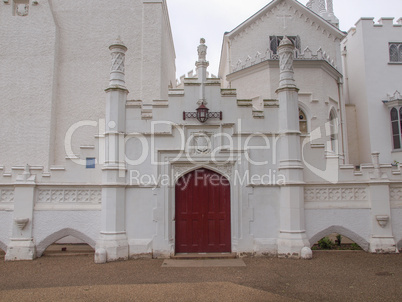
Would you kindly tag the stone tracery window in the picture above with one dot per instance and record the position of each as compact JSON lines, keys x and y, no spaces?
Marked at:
{"x":395,"y":52}
{"x":396,"y":123}
{"x":333,"y":127}
{"x":302,"y":122}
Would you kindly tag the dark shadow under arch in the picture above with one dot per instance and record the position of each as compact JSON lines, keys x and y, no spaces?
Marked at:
{"x":3,"y":246}
{"x":42,"y":246}
{"x":342,"y":231}
{"x":399,"y":245}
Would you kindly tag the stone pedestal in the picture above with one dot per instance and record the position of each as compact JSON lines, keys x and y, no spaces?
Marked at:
{"x":21,"y":246}
{"x":382,"y":239}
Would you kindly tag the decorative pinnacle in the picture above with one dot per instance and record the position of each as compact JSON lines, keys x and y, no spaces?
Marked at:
{"x":118,"y":43}
{"x":202,"y":51}
{"x":285,"y":41}
{"x":286,"y":55}
{"x":117,"y":51}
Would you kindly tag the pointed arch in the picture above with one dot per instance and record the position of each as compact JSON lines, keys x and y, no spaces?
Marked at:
{"x":342,"y":231}
{"x":42,"y":246}
{"x":192,"y":168}
{"x":305,"y":112}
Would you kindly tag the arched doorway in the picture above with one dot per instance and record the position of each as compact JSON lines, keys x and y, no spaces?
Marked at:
{"x":202,"y":211}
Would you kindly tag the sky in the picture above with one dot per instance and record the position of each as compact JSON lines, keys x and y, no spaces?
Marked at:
{"x":210,"y":19}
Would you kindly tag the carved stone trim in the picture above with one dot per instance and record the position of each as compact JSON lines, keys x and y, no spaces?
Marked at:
{"x":382,"y":220}
{"x":335,"y":194}
{"x":395,"y":193}
{"x":69,"y":196}
{"x":21,"y":222}
{"x":6,"y":195}
{"x":21,"y":9}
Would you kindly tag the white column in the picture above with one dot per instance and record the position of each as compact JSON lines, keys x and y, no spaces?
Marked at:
{"x":202,"y":65}
{"x":292,"y":238}
{"x":21,"y":245}
{"x":113,"y":238}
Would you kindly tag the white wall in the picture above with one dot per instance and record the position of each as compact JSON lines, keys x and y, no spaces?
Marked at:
{"x":370,"y":78}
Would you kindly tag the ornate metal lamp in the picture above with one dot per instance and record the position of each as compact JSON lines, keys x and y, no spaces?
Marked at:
{"x":202,"y":114}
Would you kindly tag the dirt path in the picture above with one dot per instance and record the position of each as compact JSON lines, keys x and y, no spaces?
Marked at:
{"x":330,"y":276}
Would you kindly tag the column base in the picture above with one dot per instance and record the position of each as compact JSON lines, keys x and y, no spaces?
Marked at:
{"x":290,"y":245}
{"x":115,"y":245}
{"x":382,"y":245}
{"x":20,"y":249}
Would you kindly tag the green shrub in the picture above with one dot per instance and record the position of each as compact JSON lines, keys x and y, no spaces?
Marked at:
{"x":355,"y":246}
{"x":325,"y":243}
{"x":339,"y":239}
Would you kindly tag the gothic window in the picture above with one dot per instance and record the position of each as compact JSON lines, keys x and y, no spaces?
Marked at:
{"x":396,"y":123}
{"x":395,"y":52}
{"x":302,"y":122}
{"x":274,"y":42}
{"x":333,"y":127}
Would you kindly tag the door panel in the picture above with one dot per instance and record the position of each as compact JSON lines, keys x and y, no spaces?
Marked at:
{"x":203,"y":213}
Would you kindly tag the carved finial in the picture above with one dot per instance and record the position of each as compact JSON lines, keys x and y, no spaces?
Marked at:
{"x":330,"y":6}
{"x":397,"y":96}
{"x":285,"y":41}
{"x":286,"y":56}
{"x":321,"y":7}
{"x":317,"y":6}
{"x":117,"y":69}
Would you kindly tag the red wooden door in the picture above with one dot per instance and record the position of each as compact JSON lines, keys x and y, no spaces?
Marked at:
{"x":203,"y":213}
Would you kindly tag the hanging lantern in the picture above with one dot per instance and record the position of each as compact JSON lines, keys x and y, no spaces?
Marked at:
{"x":202,"y":113}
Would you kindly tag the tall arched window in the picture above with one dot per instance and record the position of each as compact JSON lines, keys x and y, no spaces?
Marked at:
{"x":333,"y":128}
{"x":396,"y":123}
{"x":302,"y":122}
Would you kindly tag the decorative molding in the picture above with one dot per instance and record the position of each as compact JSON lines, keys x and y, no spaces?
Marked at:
{"x":395,"y":193}
{"x":382,"y":220}
{"x":182,"y":169}
{"x":335,"y":194}
{"x":21,"y":9}
{"x":69,"y":196}
{"x":306,"y":55}
{"x":201,"y":142}
{"x":6,"y":195}
{"x":21,"y":222}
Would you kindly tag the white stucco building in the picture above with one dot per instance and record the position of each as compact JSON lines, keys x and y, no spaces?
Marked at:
{"x":268,"y":158}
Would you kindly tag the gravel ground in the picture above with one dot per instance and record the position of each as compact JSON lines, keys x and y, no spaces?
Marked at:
{"x":330,"y":276}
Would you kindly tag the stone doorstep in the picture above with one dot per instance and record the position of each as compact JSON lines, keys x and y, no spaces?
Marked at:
{"x":201,"y":256}
{"x":230,"y":262}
